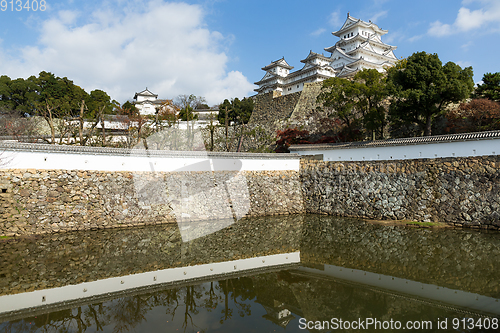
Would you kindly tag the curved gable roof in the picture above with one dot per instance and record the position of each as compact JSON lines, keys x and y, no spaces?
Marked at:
{"x":145,"y":92}
{"x":278,"y":63}
{"x":338,"y":52}
{"x":351,"y":22}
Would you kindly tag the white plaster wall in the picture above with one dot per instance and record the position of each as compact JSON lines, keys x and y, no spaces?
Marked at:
{"x":148,"y":109}
{"x":407,"y":152}
{"x":75,"y":161}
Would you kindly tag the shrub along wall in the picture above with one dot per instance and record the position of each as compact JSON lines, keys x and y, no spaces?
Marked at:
{"x":462,"y":191}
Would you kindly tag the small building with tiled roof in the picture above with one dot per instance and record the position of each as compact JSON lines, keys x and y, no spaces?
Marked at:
{"x":146,"y":102}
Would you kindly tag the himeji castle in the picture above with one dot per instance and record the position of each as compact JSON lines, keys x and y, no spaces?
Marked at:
{"x":360,"y":46}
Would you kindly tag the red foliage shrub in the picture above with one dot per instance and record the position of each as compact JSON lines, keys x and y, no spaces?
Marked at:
{"x":290,"y":136}
{"x":475,"y":116}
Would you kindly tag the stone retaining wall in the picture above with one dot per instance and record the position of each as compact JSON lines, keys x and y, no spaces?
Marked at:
{"x":273,"y":112}
{"x":269,"y":115}
{"x":269,"y":108}
{"x":41,"y":201}
{"x":462,"y":191}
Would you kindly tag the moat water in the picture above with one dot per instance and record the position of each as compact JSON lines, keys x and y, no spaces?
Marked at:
{"x":274,"y":274}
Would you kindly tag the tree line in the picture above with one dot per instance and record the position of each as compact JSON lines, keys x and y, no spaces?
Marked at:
{"x":419,"y":96}
{"x":63,"y":105}
{"x":71,"y":115}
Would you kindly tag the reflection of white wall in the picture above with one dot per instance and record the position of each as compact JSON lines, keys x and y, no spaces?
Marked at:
{"x":462,"y":299}
{"x":102,"y":288}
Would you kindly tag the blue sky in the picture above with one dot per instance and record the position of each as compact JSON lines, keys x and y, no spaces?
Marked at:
{"x":216,"y":48}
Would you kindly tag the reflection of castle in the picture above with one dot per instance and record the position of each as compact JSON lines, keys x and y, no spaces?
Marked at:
{"x":360,"y":47}
{"x":278,"y":314}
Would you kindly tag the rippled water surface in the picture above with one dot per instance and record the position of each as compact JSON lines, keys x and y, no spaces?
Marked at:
{"x":279,"y":274}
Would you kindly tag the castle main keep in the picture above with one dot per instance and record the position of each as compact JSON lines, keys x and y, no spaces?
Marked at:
{"x":360,"y":47}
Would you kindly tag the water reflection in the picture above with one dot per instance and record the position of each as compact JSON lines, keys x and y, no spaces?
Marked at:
{"x":72,"y":258}
{"x":457,"y":259}
{"x":348,"y":269}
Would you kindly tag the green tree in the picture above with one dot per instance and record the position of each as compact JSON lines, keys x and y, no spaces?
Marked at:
{"x":128,"y":108}
{"x":54,"y":99}
{"x":238,"y":111}
{"x":490,"y":88}
{"x":202,"y":106}
{"x":341,"y":96}
{"x":235,"y":113}
{"x":422,"y":88}
{"x":187,"y":114}
{"x":18,"y":95}
{"x":5,"y":101}
{"x":372,"y":92}
{"x":99,"y":102}
{"x":224,"y":112}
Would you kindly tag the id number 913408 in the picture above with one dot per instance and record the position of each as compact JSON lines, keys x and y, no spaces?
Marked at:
{"x":23,"y":5}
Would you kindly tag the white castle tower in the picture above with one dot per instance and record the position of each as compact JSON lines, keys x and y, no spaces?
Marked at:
{"x":360,"y":46}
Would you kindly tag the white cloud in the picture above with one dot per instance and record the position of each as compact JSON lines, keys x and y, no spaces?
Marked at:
{"x":463,"y":64}
{"x":67,"y":16}
{"x":335,"y":19}
{"x":467,"y":45}
{"x":487,"y":17}
{"x":166,"y":47}
{"x":415,"y":38}
{"x":378,"y":15}
{"x":439,"y":29}
{"x":317,"y":32}
{"x":468,"y":20}
{"x":394,"y":37}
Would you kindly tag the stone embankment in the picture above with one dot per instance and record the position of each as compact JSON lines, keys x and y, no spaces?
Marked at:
{"x":41,"y":201}
{"x":461,"y":191}
{"x":273,"y":112}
